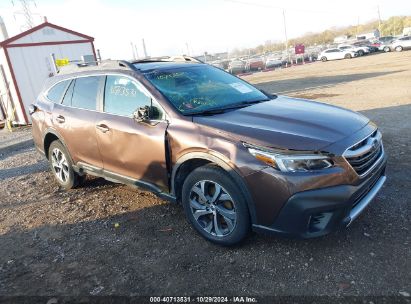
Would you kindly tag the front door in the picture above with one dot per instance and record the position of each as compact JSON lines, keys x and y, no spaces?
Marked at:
{"x":130,"y":148}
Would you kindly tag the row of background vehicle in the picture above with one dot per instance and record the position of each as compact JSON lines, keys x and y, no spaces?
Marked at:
{"x":282,"y":59}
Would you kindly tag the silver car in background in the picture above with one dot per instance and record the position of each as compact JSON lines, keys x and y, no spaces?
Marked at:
{"x":361,"y":50}
{"x":401,"y":44}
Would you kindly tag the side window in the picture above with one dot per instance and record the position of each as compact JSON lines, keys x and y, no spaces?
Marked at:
{"x":69,"y":94}
{"x":85,"y":92}
{"x":123,"y":96}
{"x":56,"y":93}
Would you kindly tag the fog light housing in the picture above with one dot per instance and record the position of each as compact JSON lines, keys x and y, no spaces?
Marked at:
{"x":319,"y":221}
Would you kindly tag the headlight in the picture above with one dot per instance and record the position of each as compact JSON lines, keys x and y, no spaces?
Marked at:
{"x":291,"y":162}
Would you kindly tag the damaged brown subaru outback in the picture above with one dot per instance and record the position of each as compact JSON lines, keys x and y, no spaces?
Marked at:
{"x":236,"y":158}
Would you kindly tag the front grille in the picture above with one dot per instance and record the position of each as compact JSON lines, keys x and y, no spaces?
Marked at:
{"x":363,"y":155}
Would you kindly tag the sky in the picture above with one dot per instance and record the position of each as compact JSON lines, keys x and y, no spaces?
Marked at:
{"x":193,"y":27}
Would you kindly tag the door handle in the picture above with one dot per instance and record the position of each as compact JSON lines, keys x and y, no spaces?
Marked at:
{"x":103,"y":128}
{"x":60,"y":119}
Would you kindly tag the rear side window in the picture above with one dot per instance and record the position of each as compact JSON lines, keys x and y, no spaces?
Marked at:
{"x":56,"y":92}
{"x":85,"y":92}
{"x":69,"y":94}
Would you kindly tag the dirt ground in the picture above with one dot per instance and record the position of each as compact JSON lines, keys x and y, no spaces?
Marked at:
{"x":54,"y":242}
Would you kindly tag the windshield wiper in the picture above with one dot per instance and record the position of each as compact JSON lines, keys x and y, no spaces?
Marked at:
{"x":250,"y":102}
{"x":224,"y":109}
{"x":213,"y":111}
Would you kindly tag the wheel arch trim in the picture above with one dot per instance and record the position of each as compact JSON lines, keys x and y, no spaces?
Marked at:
{"x":224,"y":164}
{"x":60,"y":138}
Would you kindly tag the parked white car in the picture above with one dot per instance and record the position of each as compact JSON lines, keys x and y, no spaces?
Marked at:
{"x":401,"y":43}
{"x":361,"y":50}
{"x":334,"y":54}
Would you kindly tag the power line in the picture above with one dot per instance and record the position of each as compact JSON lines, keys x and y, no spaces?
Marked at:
{"x":26,"y":12}
{"x":289,"y":8}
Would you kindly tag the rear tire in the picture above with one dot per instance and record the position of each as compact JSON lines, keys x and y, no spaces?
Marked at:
{"x":398,"y":49}
{"x":215,"y":206}
{"x":387,"y":49}
{"x":324,"y":59}
{"x":361,"y":53}
{"x":347,"y":56}
{"x":62,"y":166}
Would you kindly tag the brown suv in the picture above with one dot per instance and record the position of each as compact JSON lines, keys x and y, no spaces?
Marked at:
{"x":235,"y":157}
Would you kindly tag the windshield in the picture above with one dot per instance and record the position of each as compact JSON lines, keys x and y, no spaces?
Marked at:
{"x":203,"y":88}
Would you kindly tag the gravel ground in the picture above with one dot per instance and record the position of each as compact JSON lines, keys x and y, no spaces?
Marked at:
{"x":56,"y":242}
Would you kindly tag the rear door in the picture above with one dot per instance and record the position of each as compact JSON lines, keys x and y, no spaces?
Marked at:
{"x":130,"y":148}
{"x":75,"y":119}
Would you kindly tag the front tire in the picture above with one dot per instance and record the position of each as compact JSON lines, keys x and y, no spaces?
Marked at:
{"x":361,"y":53}
{"x":347,"y":56}
{"x":387,"y":49}
{"x":62,"y":167}
{"x":324,"y":59}
{"x":215,"y":206}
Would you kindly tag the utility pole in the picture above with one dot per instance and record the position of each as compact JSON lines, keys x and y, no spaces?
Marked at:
{"x":3,"y":30}
{"x":395,"y":26}
{"x":188,"y":50}
{"x":144,"y":49}
{"x":379,"y":20}
{"x":286,"y":37}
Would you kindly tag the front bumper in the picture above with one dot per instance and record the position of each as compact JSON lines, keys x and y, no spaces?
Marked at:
{"x":314,"y":213}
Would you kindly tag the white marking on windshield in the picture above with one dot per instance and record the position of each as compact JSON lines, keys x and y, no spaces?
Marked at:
{"x":241,"y":87}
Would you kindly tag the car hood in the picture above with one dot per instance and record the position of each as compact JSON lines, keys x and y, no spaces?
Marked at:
{"x":287,"y":123}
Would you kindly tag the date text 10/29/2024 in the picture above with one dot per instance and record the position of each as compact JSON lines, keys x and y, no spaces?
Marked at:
{"x":206,"y":299}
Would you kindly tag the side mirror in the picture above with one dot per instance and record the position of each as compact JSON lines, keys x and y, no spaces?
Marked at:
{"x":142,"y":114}
{"x":32,"y":108}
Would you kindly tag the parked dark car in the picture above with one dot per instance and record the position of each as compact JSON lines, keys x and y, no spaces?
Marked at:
{"x":235,"y":157}
{"x":273,"y":62}
{"x":236,"y":66}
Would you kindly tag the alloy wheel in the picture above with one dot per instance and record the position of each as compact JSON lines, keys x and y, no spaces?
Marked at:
{"x":60,"y":165}
{"x":213,"y":208}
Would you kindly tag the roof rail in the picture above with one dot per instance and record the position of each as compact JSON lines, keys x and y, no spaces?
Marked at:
{"x":96,"y":65}
{"x":77,"y":66}
{"x":182,"y":58}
